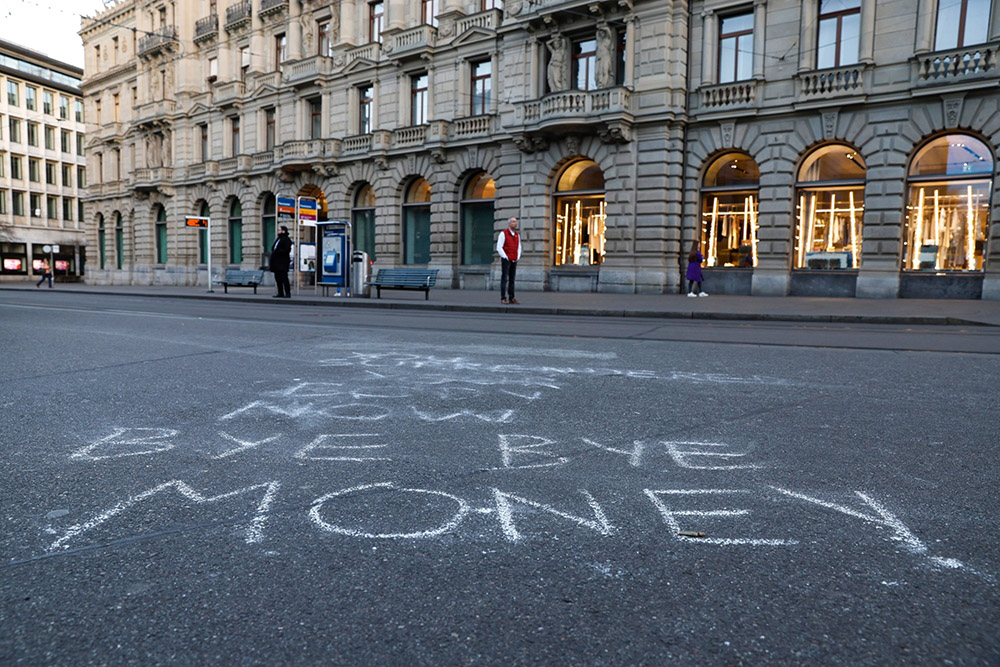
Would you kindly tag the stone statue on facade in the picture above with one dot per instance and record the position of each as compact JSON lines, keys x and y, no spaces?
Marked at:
{"x":558,"y":71}
{"x":605,"y":75}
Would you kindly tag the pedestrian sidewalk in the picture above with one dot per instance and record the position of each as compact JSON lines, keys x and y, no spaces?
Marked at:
{"x":720,"y":307}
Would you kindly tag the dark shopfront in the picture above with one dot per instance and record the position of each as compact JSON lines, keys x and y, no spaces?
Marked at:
{"x":67,"y":264}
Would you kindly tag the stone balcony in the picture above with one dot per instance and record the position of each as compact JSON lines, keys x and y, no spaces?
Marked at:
{"x":227,"y":92}
{"x":371,"y":53}
{"x":305,"y":71}
{"x":957,"y":66}
{"x":206,"y":29}
{"x":411,"y":42}
{"x":836,"y":83}
{"x":160,"y":41}
{"x":150,"y":178}
{"x":473,"y":127}
{"x":233,"y":165}
{"x":607,"y":112}
{"x":726,"y":96}
{"x":300,"y":151}
{"x":488,"y":20}
{"x":361,"y":143}
{"x":272,"y":79}
{"x":269,"y":7}
{"x":238,"y":14}
{"x":415,"y":135}
{"x":152,"y":111}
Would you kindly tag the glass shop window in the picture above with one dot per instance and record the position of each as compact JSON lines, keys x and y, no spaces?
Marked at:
{"x":729,"y":198}
{"x":580,"y":212}
{"x":830,"y":209}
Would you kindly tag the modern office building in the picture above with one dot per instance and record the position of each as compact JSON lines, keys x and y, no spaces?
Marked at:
{"x":42,"y":172}
{"x":832,"y":147}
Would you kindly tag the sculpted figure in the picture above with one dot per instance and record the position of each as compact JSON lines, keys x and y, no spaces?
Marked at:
{"x":558,"y":63}
{"x":605,"y":74}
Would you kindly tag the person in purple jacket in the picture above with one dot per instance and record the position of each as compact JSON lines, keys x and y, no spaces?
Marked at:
{"x":694,"y":270}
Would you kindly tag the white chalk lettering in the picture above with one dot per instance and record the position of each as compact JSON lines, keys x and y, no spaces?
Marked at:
{"x":320,"y":443}
{"x":683,"y":452}
{"x":243,"y":445}
{"x":493,"y":417}
{"x":634,"y":455}
{"x":670,"y":517}
{"x":599,"y":523}
{"x":316,"y":513}
{"x":127,"y":442}
{"x":520,"y":446}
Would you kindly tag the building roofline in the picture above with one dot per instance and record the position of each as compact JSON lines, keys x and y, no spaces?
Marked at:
{"x":40,"y":58}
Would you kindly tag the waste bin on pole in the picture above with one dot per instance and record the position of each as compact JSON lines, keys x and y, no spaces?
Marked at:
{"x":360,"y":274}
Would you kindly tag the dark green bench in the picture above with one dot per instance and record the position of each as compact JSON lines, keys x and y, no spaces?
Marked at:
{"x":238,"y":278}
{"x":421,"y":279}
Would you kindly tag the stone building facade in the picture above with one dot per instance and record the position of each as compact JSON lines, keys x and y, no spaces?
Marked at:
{"x":835,"y":147}
{"x":42,"y":173}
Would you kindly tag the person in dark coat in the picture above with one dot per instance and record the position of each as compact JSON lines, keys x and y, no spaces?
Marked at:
{"x":695,"y":259}
{"x":281,"y":260}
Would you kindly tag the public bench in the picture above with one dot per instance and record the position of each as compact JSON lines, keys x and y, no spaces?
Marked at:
{"x":238,"y":278}
{"x":419,"y":279}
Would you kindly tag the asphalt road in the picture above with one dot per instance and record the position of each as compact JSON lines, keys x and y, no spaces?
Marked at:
{"x":191,"y":482}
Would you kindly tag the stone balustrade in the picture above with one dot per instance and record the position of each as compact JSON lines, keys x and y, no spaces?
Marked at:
{"x":488,"y":20}
{"x":977,"y":61}
{"x":409,"y":136}
{"x":740,"y":94}
{"x":829,"y":83}
{"x":361,"y":143}
{"x":372,"y":51}
{"x":473,"y":126}
{"x":420,"y":37}
{"x":228,"y":91}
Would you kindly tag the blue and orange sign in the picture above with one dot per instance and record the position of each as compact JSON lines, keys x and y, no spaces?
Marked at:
{"x":307,"y":210}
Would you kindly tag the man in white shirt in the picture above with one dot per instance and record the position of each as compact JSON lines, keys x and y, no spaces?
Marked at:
{"x":509,"y":249}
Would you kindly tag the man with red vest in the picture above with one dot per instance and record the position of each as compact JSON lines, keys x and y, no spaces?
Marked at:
{"x":509,"y":249}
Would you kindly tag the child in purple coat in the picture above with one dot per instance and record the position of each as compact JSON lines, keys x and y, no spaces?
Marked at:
{"x":694,"y":270}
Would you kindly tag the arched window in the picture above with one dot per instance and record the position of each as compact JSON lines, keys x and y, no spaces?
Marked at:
{"x":831,"y":205}
{"x":119,"y":242}
{"x":948,"y":213}
{"x":268,"y":226}
{"x":205,"y":212}
{"x":417,"y":223}
{"x":477,"y":219}
{"x":101,"y":250}
{"x":729,"y":211}
{"x":161,"y":234}
{"x":580,"y":214}
{"x":235,"y":232}
{"x":363,"y":220}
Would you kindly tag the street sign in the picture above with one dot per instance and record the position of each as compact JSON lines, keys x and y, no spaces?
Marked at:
{"x":307,"y":210}
{"x":286,"y":205}
{"x":55,"y":248}
{"x":46,"y":249}
{"x":193,"y":221}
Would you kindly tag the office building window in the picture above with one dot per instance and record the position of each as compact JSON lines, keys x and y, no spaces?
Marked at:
{"x":67,"y":176}
{"x":78,"y":107}
{"x":67,"y":206}
{"x":32,"y":134}
{"x":15,"y":130}
{"x":51,"y":172}
{"x":269,"y":129}
{"x":34,"y":170}
{"x":79,"y":144}
{"x":47,"y":102}
{"x":736,"y":48}
{"x":15,"y":167}
{"x":961,"y":23}
{"x":52,"y":208}
{"x":30,"y":97}
{"x":3,"y":202}
{"x":418,"y":98}
{"x":50,"y":138}
{"x":585,"y":64}
{"x":366,"y":101}
{"x":66,"y":141}
{"x":482,"y":87}
{"x":81,"y":177}
{"x":831,"y":206}
{"x":17,"y":202}
{"x":839,"y":33}
{"x":376,"y":14}
{"x":234,"y":136}
{"x":315,"y":117}
{"x":35,"y":204}
{"x":12,"y":93}
{"x":64,"y":107}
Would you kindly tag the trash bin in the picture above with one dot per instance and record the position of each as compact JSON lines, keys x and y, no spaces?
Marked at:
{"x":360,"y":273}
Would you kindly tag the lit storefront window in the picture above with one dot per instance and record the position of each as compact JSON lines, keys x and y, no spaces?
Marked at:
{"x":830,"y":212}
{"x":948,"y":212}
{"x":729,"y":211}
{"x":580,"y":212}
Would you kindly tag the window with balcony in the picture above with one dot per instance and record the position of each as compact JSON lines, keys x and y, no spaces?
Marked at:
{"x":235,"y":232}
{"x":366,"y":105}
{"x":234,"y":136}
{"x":203,"y":150}
{"x":729,"y":197}
{"x":831,"y":206}
{"x":325,"y":42}
{"x":429,"y":12}
{"x":584,"y":66}
{"x":161,"y":235}
{"x":269,"y":129}
{"x":100,"y":168}
{"x":418,"y":98}
{"x":961,"y":23}
{"x":580,"y":215}
{"x":363,"y":220}
{"x":315,"y":107}
{"x":417,"y":223}
{"x":12,"y":93}
{"x":244,"y":62}
{"x":948,"y":208}
{"x":736,"y":48}
{"x":839,"y":35}
{"x":280,"y":51}
{"x":47,"y":102}
{"x":32,"y":134}
{"x":30,"y":97}
{"x":482,"y":87}
{"x":50,"y":138}
{"x":376,"y":14}
{"x":477,"y":213}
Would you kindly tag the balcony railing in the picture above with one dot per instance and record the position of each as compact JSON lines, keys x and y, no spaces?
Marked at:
{"x":828,"y":83}
{"x":158,"y":40}
{"x":301,"y":149}
{"x":488,"y":20}
{"x":238,"y":13}
{"x":152,"y":175}
{"x":361,"y":143}
{"x":206,"y":28}
{"x":272,"y":6}
{"x":263,"y":159}
{"x":978,"y":61}
{"x":577,"y":104}
{"x":308,"y":69}
{"x":729,"y":95}
{"x":371,"y":51}
{"x":150,"y":111}
{"x":227,"y":91}
{"x":473,"y":126}
{"x":409,"y":136}
{"x":272,"y":79}
{"x":421,"y":37}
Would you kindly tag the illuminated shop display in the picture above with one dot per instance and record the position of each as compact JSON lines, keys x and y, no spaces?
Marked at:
{"x":729,"y":211}
{"x":830,"y":209}
{"x":581,"y":215}
{"x":948,"y":209}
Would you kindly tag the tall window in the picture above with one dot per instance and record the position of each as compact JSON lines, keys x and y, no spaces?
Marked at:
{"x":98,"y":116}
{"x":363,"y":220}
{"x":234,"y":130}
{"x":15,"y":167}
{"x":831,"y":206}
{"x":418,"y":99}
{"x":50,"y":138}
{"x":205,"y":212}
{"x":78,"y":110}
{"x":366,"y":99}
{"x":12,"y":93}
{"x":15,"y":130}
{"x":490,"y":4}
{"x":120,"y":242}
{"x":482,"y":87}
{"x":66,"y":141}
{"x":417,"y":223}
{"x":280,"y":51}
{"x":580,"y":213}
{"x":839,"y":33}
{"x":30,"y":97}
{"x":269,"y":129}
{"x":268,"y":225}
{"x":736,"y":48}
{"x":203,"y":139}
{"x":376,"y":14}
{"x":34,"y":170}
{"x":67,"y":206}
{"x":244,"y":62}
{"x":64,"y":107}
{"x":235,"y":232}
{"x":47,"y":102}
{"x":17,"y":202}
{"x":477,"y":219}
{"x":161,"y":235}
{"x":315,"y":117}
{"x":67,"y":176}
{"x":429,"y":11}
{"x":52,"y":208}
{"x":102,"y":252}
{"x":948,"y":212}
{"x":35,"y":202}
{"x":325,"y":41}
{"x":51,"y":169}
{"x":585,"y":64}
{"x":32,"y":134}
{"x":962,"y":23}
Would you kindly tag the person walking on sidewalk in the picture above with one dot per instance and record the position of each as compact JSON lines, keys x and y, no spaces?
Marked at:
{"x":281,"y":260}
{"x":509,"y":249}
{"x":46,"y":273}
{"x":694,"y":270}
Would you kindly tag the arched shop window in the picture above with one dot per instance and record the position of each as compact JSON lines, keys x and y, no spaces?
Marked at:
{"x":417,"y":223}
{"x":729,"y":197}
{"x":580,"y":213}
{"x":477,"y":219}
{"x":831,"y":205}
{"x":101,"y":250}
{"x":119,"y":242}
{"x":268,"y":226}
{"x":204,"y":211}
{"x":948,"y":208}
{"x":235,"y":232}
{"x":161,"y":234}
{"x":363,"y":220}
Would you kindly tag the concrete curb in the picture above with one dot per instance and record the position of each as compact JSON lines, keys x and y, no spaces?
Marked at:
{"x":919,"y":320}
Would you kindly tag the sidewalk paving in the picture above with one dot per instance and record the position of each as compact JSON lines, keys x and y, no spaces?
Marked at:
{"x":788,"y":309}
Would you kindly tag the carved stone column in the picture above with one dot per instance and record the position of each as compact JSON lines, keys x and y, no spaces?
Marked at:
{"x":925,"y":26}
{"x":759,"y":37}
{"x":867,"y":53}
{"x":294,"y":30}
{"x":709,"y":40}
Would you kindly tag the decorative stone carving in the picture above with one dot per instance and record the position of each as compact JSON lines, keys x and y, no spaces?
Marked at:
{"x":381,"y":163}
{"x":285,"y":176}
{"x":513,"y":7}
{"x":438,"y":156}
{"x":307,"y":24}
{"x":558,"y":72}
{"x":573,"y":144}
{"x":728,"y":132}
{"x":830,"y":124}
{"x":605,"y":74}
{"x":618,"y":133}
{"x":952,"y":110}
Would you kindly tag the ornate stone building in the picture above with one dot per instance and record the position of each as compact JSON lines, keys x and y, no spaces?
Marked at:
{"x":836,"y":147}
